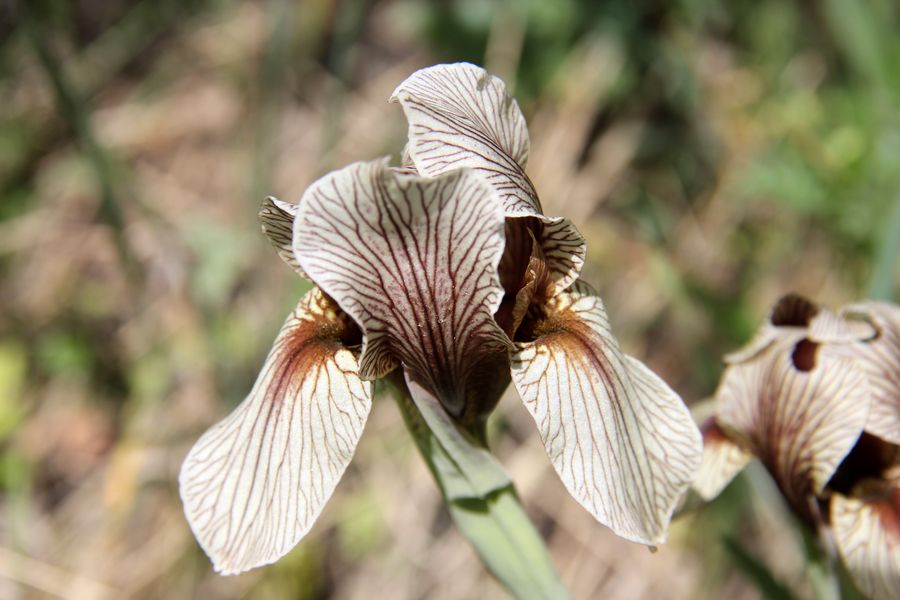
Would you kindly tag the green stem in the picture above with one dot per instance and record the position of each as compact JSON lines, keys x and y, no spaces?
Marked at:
{"x":483,"y":504}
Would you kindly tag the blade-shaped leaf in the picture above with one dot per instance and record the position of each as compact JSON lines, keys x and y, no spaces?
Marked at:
{"x":253,"y":484}
{"x":722,"y":460}
{"x":277,"y":220}
{"x":471,"y":471}
{"x":620,"y":439}
{"x":867,"y":534}
{"x":460,"y":116}
{"x":414,"y":261}
{"x":492,"y":520}
{"x":800,"y":407}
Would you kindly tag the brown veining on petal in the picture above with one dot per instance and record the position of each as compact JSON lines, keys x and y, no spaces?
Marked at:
{"x":414,"y":261}
{"x":322,"y":330}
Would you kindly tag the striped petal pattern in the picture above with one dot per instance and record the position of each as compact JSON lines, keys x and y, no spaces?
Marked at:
{"x":880,"y":358}
{"x":253,"y":485}
{"x":801,"y":408}
{"x":620,"y":439}
{"x":460,"y":116}
{"x":867,"y":534}
{"x":414,"y":261}
{"x":277,"y":220}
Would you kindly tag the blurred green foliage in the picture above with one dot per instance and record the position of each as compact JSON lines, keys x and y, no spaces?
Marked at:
{"x":813,"y":162}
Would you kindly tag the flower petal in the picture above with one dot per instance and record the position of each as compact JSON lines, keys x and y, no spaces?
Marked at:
{"x":880,"y":358}
{"x":722,"y":460}
{"x":793,"y":318}
{"x":277,"y":220}
{"x":621,"y":440}
{"x":414,"y":261}
{"x":800,"y":407}
{"x":867,"y":534}
{"x":253,"y":484}
{"x":460,"y":116}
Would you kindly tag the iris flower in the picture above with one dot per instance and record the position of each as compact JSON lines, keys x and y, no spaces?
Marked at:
{"x":816,"y":397}
{"x":443,"y":275}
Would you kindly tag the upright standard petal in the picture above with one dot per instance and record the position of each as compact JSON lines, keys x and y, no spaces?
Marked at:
{"x":414,"y":261}
{"x":461,"y":116}
{"x":621,"y":440}
{"x":867,"y":534}
{"x":253,"y":485}
{"x":880,"y":357}
{"x":277,"y":220}
{"x":800,"y":408}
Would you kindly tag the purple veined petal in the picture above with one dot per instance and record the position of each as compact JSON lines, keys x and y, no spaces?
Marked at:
{"x":867,"y":534}
{"x":723,"y":459}
{"x":621,"y":440}
{"x":414,"y":261}
{"x":277,"y":220}
{"x":460,"y":116}
{"x":800,"y":407}
{"x":880,"y":358}
{"x":254,"y":483}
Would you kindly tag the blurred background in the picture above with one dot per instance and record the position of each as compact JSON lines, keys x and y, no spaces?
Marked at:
{"x":714,"y":157}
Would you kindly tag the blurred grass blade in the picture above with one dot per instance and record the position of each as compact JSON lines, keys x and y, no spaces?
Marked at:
{"x":494,"y":522}
{"x":884,"y":274}
{"x":766,"y":583}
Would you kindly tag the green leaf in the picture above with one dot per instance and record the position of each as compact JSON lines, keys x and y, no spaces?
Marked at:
{"x":467,"y":469}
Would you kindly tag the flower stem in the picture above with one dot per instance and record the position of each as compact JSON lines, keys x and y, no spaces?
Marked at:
{"x":488,"y":514}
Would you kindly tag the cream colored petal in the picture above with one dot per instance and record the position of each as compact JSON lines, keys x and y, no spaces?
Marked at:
{"x":253,"y":484}
{"x":414,"y":261}
{"x":621,"y":440}
{"x":723,"y":459}
{"x":800,"y":407}
{"x":880,"y":357}
{"x":867,"y":534}
{"x":460,"y":116}
{"x":277,"y":220}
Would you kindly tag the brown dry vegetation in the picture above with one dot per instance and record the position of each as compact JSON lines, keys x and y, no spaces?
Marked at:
{"x":138,"y":297}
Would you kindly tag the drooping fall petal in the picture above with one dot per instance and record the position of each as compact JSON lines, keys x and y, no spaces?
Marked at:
{"x":621,"y":440}
{"x":253,"y":484}
{"x":800,"y":408}
{"x":460,"y":116}
{"x":867,"y":534}
{"x":880,"y":357}
{"x":722,"y":460}
{"x":277,"y":220}
{"x":414,"y":261}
